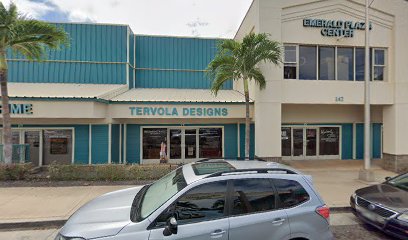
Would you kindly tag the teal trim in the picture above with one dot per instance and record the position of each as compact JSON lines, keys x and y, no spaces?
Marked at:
{"x":347,"y":141}
{"x":81,"y":144}
{"x":375,"y":140}
{"x":230,"y":141}
{"x":61,"y":99}
{"x":133,"y":143}
{"x":115,"y":144}
{"x":100,"y":144}
{"x":377,"y":132}
{"x":242,"y":134}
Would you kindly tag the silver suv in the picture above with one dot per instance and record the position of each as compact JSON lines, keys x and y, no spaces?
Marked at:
{"x":208,"y":199}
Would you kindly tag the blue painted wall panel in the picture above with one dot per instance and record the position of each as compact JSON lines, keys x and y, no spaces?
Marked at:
{"x":377,"y":133}
{"x":91,"y":42}
{"x":81,"y":144}
{"x":115,"y":143}
{"x":100,"y":144}
{"x":133,"y":143}
{"x":347,"y":141}
{"x":174,"y":79}
{"x":231,"y":141}
{"x":102,"y":45}
{"x":53,"y":72}
{"x":375,"y":144}
{"x":242,"y":134}
{"x":172,"y":62}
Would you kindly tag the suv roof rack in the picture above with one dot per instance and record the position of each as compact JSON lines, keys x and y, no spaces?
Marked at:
{"x":251,"y":171}
{"x":224,"y":159}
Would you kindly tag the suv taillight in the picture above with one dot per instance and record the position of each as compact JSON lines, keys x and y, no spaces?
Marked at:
{"x":323,"y":211}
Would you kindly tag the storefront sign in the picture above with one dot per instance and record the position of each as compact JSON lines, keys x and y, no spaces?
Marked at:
{"x":23,"y":108}
{"x":175,"y":111}
{"x":335,"y":28}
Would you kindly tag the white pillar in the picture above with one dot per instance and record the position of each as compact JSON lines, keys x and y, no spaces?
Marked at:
{"x":90,"y":145}
{"x":110,"y":143}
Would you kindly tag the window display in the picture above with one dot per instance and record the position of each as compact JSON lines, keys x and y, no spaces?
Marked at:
{"x":152,"y":139}
{"x":329,"y":141}
{"x":210,"y":142}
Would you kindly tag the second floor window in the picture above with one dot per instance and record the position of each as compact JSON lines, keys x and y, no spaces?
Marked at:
{"x":308,"y":62}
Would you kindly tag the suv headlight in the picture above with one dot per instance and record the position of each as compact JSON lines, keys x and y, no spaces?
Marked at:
{"x":403,"y":217}
{"x":60,"y":237}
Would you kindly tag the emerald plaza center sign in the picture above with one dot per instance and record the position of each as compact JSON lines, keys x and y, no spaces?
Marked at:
{"x":335,"y":28}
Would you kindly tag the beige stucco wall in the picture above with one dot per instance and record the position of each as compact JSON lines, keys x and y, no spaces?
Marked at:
{"x":315,"y":101}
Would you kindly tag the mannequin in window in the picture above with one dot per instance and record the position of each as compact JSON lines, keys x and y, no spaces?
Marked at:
{"x":163,"y":155}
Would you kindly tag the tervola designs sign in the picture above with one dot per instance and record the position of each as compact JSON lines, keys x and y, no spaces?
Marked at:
{"x":335,"y":28}
{"x":179,"y":111}
{"x":20,"y":108}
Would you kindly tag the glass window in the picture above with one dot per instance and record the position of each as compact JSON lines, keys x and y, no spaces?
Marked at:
{"x":345,"y":64}
{"x":379,"y":64}
{"x":210,"y":142}
{"x":191,"y":143}
{"x":161,"y":191}
{"x":152,"y":139}
{"x":203,"y":168}
{"x":307,"y":63}
{"x":175,"y":143}
{"x":57,"y":146}
{"x":326,"y":63}
{"x":360,"y":63}
{"x":329,"y":141}
{"x":203,"y":203}
{"x":290,"y":193}
{"x":286,"y":141}
{"x":289,"y":71}
{"x":252,"y":195}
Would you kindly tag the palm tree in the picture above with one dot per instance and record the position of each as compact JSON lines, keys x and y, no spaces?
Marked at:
{"x":236,"y":61}
{"x":29,"y":38}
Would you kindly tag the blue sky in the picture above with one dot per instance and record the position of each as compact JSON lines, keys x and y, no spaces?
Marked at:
{"x":203,"y":18}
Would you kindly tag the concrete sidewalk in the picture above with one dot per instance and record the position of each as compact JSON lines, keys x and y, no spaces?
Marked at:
{"x":335,"y":181}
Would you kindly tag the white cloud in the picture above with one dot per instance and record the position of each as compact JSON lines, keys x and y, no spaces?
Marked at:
{"x":29,"y":8}
{"x":205,"y":18}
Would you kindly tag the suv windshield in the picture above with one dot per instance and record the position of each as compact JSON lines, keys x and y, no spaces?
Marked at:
{"x":400,"y":181}
{"x":161,"y":191}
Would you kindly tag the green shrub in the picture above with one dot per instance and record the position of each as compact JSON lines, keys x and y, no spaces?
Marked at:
{"x":14,"y":171}
{"x":109,"y":172}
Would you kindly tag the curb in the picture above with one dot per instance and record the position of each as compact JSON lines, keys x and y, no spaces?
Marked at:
{"x":32,"y":225}
{"x":60,"y":223}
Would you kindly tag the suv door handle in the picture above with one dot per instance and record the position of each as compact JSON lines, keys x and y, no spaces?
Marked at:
{"x":217,"y":233}
{"x":278,"y":221}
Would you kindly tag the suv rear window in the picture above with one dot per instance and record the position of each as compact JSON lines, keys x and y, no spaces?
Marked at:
{"x":290,"y":193}
{"x":203,"y":168}
{"x":252,"y":195}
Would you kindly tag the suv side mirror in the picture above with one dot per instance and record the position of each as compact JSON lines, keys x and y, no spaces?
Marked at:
{"x":171,"y":227}
{"x":387,"y":178}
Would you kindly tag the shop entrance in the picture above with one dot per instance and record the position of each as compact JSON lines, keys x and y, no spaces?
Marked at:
{"x":310,"y":142}
{"x":183,"y":143}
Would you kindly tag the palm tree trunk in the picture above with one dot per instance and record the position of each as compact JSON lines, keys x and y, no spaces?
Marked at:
{"x":7,"y":146}
{"x":247,"y":120}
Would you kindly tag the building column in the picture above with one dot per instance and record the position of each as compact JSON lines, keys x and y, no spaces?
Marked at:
{"x":268,"y":131}
{"x":395,"y":145}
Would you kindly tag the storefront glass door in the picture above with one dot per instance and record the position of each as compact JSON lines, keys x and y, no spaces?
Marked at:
{"x":311,"y":141}
{"x":175,"y":143}
{"x":298,"y":142}
{"x":190,"y":136}
{"x":33,"y":139}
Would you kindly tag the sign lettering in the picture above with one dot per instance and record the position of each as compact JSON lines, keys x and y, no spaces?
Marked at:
{"x":19,"y":109}
{"x":335,"y":28}
{"x":173,"y":111}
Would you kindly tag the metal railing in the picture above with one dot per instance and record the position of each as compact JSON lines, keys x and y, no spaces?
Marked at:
{"x":20,"y":154}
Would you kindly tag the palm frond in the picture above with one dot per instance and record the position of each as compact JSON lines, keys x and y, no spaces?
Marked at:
{"x":256,"y":75}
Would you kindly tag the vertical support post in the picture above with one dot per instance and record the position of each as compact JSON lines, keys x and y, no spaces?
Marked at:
{"x":120,"y":143}
{"x":41,"y":160}
{"x":367,"y":142}
{"x":90,"y":145}
{"x":110,"y":143}
{"x":124,"y":143}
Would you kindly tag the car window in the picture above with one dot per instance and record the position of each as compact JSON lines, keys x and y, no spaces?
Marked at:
{"x":252,"y":195}
{"x":202,"y":203}
{"x":290,"y":193}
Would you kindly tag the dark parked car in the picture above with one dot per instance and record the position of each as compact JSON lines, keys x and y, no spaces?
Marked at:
{"x":384,"y":206}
